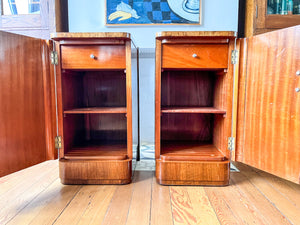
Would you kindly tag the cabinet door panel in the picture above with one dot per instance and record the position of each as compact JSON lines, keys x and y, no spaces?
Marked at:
{"x":22,"y":112}
{"x":270,"y":126}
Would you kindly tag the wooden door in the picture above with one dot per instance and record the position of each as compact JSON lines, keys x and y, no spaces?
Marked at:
{"x":268,"y":134}
{"x":26,"y":131}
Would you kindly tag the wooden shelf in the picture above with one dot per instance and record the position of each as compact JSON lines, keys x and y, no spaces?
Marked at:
{"x":190,"y":151}
{"x":192,"y":110}
{"x":96,"y":110}
{"x":90,"y":151}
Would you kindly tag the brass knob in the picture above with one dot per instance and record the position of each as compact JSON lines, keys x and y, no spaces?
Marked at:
{"x":298,"y":73}
{"x":92,"y":56}
{"x":195,"y":55}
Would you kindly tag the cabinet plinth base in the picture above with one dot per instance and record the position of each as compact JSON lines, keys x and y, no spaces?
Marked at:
{"x":192,"y":172}
{"x":95,"y":171}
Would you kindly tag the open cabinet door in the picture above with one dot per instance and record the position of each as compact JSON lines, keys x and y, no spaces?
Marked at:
{"x":268,"y":134}
{"x":26,"y":133}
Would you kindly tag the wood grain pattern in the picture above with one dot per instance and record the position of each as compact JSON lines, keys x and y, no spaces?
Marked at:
{"x":96,"y":210}
{"x":91,"y":108}
{"x":139,"y":211}
{"x":96,"y":110}
{"x":187,"y":34}
{"x":207,"y":56}
{"x":192,"y":172}
{"x":221,"y":208}
{"x":95,"y":171}
{"x":100,"y":151}
{"x":106,"y":57}
{"x":281,"y":21}
{"x":253,"y":195}
{"x":88,"y":35}
{"x":286,"y":207}
{"x":190,"y":151}
{"x":270,"y":139}
{"x":181,"y":206}
{"x":23,"y":128}
{"x":181,"y":92}
{"x":117,"y":212}
{"x":202,"y":208}
{"x":17,"y":204}
{"x":212,"y":110}
{"x":74,"y":212}
{"x":158,"y":53}
{"x":161,"y":210}
{"x":129,"y":98}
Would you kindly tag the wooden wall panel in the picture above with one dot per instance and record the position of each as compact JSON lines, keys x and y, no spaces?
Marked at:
{"x":22,"y":115}
{"x":271,"y":121}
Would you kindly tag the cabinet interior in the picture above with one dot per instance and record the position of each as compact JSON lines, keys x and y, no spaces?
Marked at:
{"x":192,"y":114}
{"x":94,"y":108}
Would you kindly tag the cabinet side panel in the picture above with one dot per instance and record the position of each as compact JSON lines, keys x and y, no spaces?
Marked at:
{"x":22,"y":116}
{"x":157,"y":97}
{"x":271,"y":128}
{"x":241,"y":100}
{"x":223,"y":97}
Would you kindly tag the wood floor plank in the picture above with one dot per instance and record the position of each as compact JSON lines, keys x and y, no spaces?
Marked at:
{"x":243,"y":210}
{"x":16,"y":183}
{"x":139,"y":211}
{"x":182,"y":206}
{"x":286,"y":207}
{"x":51,"y":211}
{"x":223,"y":211}
{"x":97,"y":208}
{"x":161,"y":210}
{"x":288,"y":189}
{"x":117,"y":211}
{"x":268,"y":211}
{"x":36,"y":207}
{"x":202,"y":208}
{"x":73,"y":213}
{"x":18,"y":178}
{"x":12,"y":205}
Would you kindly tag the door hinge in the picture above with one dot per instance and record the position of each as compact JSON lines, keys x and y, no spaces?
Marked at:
{"x":58,"y":142}
{"x":231,"y":143}
{"x":54,"y":58}
{"x":234,"y":56}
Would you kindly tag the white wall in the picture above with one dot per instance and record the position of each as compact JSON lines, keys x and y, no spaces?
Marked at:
{"x":89,"y":16}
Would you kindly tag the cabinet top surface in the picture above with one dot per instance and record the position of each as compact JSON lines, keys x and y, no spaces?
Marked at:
{"x":66,"y":35}
{"x":183,"y":34}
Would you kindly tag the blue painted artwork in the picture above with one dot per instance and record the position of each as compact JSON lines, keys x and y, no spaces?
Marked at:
{"x":152,"y":12}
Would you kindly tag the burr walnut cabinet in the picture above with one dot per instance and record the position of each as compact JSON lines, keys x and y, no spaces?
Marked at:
{"x":82,"y":99}
{"x":207,"y":98}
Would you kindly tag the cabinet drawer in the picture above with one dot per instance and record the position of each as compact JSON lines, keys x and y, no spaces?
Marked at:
{"x":194,"y":56}
{"x":105,"y":57}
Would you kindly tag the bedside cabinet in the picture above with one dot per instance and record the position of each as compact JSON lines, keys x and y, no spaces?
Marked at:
{"x":194,"y":90}
{"x":94,"y":107}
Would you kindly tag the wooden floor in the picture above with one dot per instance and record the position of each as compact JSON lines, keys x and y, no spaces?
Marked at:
{"x":36,"y":196}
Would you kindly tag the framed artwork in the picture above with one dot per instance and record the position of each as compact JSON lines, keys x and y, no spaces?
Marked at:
{"x":143,"y":12}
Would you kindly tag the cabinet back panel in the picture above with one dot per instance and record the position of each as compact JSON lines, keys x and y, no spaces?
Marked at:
{"x":93,"y":89}
{"x":84,"y":129}
{"x":105,"y":89}
{"x":187,"y":127}
{"x":187,"y":88}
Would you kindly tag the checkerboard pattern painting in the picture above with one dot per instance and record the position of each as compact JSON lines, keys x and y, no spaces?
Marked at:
{"x":143,"y":12}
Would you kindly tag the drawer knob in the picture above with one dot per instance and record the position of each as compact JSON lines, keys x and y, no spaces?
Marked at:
{"x":92,"y":56}
{"x":195,"y":55}
{"x":297,"y":89}
{"x":298,"y":73}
